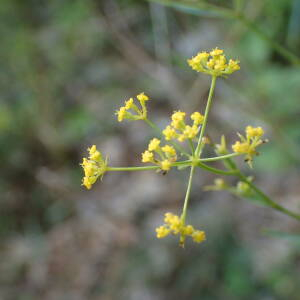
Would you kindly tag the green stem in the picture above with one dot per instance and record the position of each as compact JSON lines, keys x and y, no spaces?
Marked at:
{"x":153,"y":126}
{"x":187,"y":194}
{"x":197,"y":152}
{"x":267,"y":200}
{"x":214,"y":170}
{"x":208,"y":105}
{"x":220,"y":157}
{"x":182,"y":163}
{"x":175,"y":164}
{"x":191,"y":146}
{"x":146,"y":168}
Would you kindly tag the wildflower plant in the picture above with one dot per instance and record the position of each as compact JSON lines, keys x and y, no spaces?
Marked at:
{"x":180,"y":145}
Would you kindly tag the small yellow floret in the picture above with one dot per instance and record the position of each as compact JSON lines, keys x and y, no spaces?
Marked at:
{"x":216,"y":52}
{"x":197,"y":118}
{"x":178,"y":116}
{"x":133,"y":112}
{"x":160,"y":156}
{"x":96,"y":156}
{"x":198,"y":236}
{"x":254,"y":132}
{"x":162,"y":231}
{"x":86,"y":183}
{"x":165,"y":165}
{"x":169,"y":217}
{"x":121,"y":113}
{"x":154,"y":144}
{"x":239,"y":147}
{"x":233,"y":66}
{"x":197,"y":62}
{"x":248,"y":144}
{"x":169,"y":150}
{"x":129,"y":104}
{"x":189,"y":230}
{"x":147,"y":156}
{"x":190,"y":131}
{"x":142,"y":97}
{"x":169,"y":133}
{"x":92,"y":150}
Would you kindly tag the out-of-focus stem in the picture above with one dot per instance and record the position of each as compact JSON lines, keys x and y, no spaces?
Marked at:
{"x":208,"y":105}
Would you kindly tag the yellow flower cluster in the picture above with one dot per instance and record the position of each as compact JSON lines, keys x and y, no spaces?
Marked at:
{"x":213,"y":63}
{"x":179,"y":130}
{"x":167,"y":155}
{"x":248,"y":144}
{"x":93,"y":167}
{"x":175,"y":225}
{"x":131,"y":111}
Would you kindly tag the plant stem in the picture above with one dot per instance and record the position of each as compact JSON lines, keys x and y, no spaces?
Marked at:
{"x":267,"y":200}
{"x":197,"y":152}
{"x":146,"y":168}
{"x":208,"y":105}
{"x":214,"y":170}
{"x":219,"y":157}
{"x":175,"y":164}
{"x":191,"y":146}
{"x":187,"y":194}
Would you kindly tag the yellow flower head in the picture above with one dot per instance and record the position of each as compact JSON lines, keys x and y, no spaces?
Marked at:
{"x":169,"y":150}
{"x":142,"y":97}
{"x":254,"y":132}
{"x":154,"y":144}
{"x":213,"y":63}
{"x":239,"y":147}
{"x":197,"y":118}
{"x":129,"y":104}
{"x":178,"y":116}
{"x":216,"y":52}
{"x":181,"y":131}
{"x":133,"y":112}
{"x":178,"y":119}
{"x":93,"y":166}
{"x":162,"y":231}
{"x":198,"y":236}
{"x":161,"y":156}
{"x":169,"y":133}
{"x":175,"y":225}
{"x":190,"y":131}
{"x":121,"y":113}
{"x":165,"y":165}
{"x":147,"y":156}
{"x":248,"y":144}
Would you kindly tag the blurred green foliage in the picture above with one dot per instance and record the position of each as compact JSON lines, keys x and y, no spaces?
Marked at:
{"x":65,"y":67}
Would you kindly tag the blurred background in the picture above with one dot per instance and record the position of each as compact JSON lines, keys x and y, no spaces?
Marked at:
{"x":66,"y":66}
